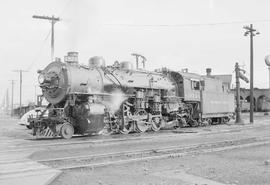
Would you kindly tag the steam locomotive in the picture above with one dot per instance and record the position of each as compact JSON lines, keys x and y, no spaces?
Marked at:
{"x":94,"y":98}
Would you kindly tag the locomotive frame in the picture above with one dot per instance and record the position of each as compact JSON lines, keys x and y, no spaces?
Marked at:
{"x":83,"y":99}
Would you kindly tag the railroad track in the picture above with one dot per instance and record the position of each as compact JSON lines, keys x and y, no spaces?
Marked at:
{"x":132,"y":138}
{"x":99,"y":160}
{"x":97,"y":141}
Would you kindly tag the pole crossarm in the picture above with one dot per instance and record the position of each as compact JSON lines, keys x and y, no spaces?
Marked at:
{"x":250,"y":31}
{"x":20,"y":70}
{"x":52,"y":18}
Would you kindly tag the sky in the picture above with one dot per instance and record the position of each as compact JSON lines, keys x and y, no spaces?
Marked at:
{"x":175,"y":34}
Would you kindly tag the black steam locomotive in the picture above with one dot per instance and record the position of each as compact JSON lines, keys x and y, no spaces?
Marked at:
{"x":94,"y":98}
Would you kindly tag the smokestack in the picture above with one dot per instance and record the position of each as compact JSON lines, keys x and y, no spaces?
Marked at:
{"x":208,"y":71}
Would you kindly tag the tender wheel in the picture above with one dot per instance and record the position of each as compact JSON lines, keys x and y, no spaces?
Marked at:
{"x":67,"y":131}
{"x":206,"y":121}
{"x":210,"y":121}
{"x":226,"y":120}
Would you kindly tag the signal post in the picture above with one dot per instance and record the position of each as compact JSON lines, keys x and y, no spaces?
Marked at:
{"x":238,"y":76}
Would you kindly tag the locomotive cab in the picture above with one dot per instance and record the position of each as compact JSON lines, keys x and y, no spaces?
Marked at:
{"x":188,"y":85}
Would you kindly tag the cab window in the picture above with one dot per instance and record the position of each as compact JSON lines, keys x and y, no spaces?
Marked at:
{"x":195,"y":85}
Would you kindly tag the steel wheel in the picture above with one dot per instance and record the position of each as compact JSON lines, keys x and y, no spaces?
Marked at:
{"x":156,"y":124}
{"x":209,"y":121}
{"x":141,"y":124}
{"x":128,"y":126}
{"x":226,"y":119}
{"x":67,"y":131}
{"x":205,"y":122}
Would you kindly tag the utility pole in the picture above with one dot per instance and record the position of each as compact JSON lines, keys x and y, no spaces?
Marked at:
{"x":249,"y":30}
{"x":20,"y":71}
{"x":7,"y":101}
{"x":238,"y":76}
{"x":53,"y":21}
{"x":12,"y":96}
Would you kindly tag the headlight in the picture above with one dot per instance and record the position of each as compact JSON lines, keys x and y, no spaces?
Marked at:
{"x":41,"y":78}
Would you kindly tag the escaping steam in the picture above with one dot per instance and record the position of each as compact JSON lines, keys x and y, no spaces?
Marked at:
{"x":111,"y":103}
{"x":116,"y":99}
{"x":97,"y":108}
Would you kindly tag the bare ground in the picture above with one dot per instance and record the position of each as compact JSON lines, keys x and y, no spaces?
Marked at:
{"x":245,"y":166}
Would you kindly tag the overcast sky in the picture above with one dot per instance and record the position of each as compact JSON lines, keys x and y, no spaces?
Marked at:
{"x":114,"y":29}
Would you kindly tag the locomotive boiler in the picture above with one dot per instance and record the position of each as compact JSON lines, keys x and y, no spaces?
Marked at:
{"x":95,"y":98}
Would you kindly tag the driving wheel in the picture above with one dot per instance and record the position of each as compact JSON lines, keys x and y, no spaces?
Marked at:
{"x":141,"y":124}
{"x":128,"y":126}
{"x":156,"y":124}
{"x":67,"y":131}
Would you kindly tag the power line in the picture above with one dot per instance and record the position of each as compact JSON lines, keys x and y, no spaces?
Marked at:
{"x":53,"y":20}
{"x":37,"y":56}
{"x":190,"y":25}
{"x":64,"y":9}
{"x":46,"y":38}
